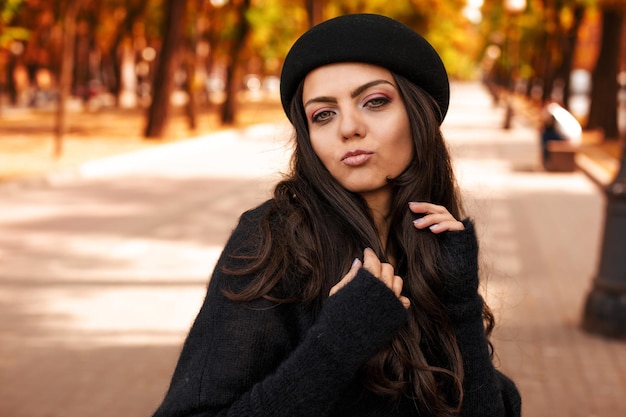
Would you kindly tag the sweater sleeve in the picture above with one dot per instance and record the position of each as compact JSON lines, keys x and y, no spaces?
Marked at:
{"x":487,"y":392}
{"x":240,"y":359}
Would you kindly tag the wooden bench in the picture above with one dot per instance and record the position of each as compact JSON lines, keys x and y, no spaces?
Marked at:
{"x":561,"y":156}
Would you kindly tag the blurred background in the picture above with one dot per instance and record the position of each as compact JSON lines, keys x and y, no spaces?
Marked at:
{"x":204,"y":57}
{"x":133,"y":133}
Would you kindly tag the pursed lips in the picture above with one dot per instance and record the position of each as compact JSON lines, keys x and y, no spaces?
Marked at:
{"x":356,"y":157}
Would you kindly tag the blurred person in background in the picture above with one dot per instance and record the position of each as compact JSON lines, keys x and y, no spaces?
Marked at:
{"x":354,"y":290}
{"x":558,"y":125}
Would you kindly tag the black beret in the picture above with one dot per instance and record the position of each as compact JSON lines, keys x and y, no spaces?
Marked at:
{"x":371,"y":39}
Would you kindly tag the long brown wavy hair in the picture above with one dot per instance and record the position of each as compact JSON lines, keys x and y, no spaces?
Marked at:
{"x":322,"y":227}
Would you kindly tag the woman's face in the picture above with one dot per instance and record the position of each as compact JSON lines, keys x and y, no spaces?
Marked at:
{"x":358,"y":126}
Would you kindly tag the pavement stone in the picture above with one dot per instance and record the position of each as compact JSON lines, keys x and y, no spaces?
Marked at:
{"x":103,"y":268}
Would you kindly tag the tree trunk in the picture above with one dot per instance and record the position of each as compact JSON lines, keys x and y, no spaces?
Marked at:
{"x":544,"y":55}
{"x":315,"y":10}
{"x":10,"y":79}
{"x":190,"y":80}
{"x":603,"y":109}
{"x":65,"y":79}
{"x":191,"y":63}
{"x":232,"y":81}
{"x":158,"y":112}
{"x":569,"y":45}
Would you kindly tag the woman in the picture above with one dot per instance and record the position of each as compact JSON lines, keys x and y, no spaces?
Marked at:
{"x":353,"y":292}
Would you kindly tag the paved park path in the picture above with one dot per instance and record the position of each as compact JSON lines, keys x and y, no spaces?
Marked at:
{"x":102,"y":269}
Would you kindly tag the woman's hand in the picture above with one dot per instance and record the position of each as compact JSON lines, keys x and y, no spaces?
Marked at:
{"x":437,"y":218}
{"x":458,"y":263}
{"x":381,"y":270}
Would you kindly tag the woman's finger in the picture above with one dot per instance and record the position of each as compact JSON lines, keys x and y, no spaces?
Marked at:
{"x":397,"y":285}
{"x":450,"y":225}
{"x":371,"y":262}
{"x":356,"y":265}
{"x":438,"y":223}
{"x":428,"y":208}
{"x":382,"y":270}
{"x":437,"y":218}
{"x":387,"y":274}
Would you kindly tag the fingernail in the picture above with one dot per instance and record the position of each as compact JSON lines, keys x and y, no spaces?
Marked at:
{"x":434,"y":226}
{"x":418,"y":221}
{"x":356,"y":262}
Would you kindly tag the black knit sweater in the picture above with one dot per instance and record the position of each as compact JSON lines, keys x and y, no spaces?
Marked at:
{"x":265,"y":359}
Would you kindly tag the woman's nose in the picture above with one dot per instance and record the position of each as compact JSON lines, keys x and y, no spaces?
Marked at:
{"x":351,"y":125}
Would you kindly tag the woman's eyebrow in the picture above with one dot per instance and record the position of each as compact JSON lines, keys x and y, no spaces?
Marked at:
{"x":321,"y":100}
{"x":354,"y":94}
{"x":365,"y":86}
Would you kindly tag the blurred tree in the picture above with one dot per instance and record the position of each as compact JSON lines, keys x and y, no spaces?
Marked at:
{"x":315,"y":11}
{"x":452,"y":33}
{"x":569,"y":16}
{"x":251,"y":37}
{"x":190,"y":52}
{"x":12,"y":40}
{"x":272,"y":35}
{"x":119,"y":18}
{"x":546,"y":33}
{"x":69,"y":13}
{"x":239,"y":32}
{"x":173,"y":24}
{"x":39,"y":48}
{"x":603,"y":109}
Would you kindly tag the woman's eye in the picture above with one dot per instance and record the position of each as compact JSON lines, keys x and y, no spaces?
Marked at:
{"x":321,"y":116}
{"x":377,"y":102}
